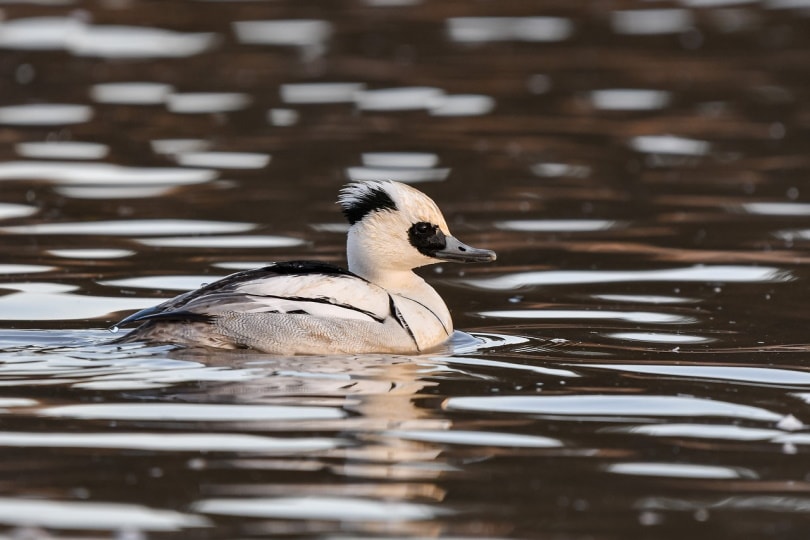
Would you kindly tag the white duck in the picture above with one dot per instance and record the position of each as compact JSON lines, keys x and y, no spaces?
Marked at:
{"x":301,"y":307}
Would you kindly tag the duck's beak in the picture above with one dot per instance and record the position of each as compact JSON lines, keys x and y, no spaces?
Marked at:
{"x":457,"y":251}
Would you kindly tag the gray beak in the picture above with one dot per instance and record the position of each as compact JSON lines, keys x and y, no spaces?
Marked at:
{"x":458,"y":251}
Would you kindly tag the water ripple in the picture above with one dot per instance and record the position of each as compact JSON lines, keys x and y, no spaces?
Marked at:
{"x":62,"y":150}
{"x":680,"y":470}
{"x":347,"y":509}
{"x":168,"y":442}
{"x":477,"y":438}
{"x":131,"y":93}
{"x":567,"y":314}
{"x":73,"y":35}
{"x":191,"y":412}
{"x":490,"y":29}
{"x":609,"y":407}
{"x":93,"y":516}
{"x":207,"y":102}
{"x":133,"y":227}
{"x":11,"y":210}
{"x":700,"y":274}
{"x":311,"y":93}
{"x":651,"y":21}
{"x":754,"y":375}
{"x":104,"y":174}
{"x":45,"y":114}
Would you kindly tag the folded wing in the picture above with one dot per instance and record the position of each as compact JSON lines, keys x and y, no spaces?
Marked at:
{"x":302,"y":288}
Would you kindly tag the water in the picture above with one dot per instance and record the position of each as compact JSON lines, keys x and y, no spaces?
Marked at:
{"x":634,"y":365}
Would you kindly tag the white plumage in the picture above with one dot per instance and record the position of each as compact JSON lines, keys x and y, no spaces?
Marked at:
{"x":378,"y":305}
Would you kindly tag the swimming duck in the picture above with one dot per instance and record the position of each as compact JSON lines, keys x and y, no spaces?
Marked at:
{"x":378,"y":305}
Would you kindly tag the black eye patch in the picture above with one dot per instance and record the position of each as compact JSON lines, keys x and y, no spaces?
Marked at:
{"x":426,"y":238}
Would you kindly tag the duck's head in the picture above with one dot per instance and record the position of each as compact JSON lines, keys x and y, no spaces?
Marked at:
{"x":394,"y":227}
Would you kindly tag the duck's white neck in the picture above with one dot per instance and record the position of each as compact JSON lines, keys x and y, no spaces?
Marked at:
{"x":379,"y":270}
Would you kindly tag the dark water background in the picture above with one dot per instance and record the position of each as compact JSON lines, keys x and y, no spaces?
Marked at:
{"x":641,"y":169}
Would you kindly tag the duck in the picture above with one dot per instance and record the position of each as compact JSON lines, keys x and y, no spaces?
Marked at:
{"x":377,"y":305}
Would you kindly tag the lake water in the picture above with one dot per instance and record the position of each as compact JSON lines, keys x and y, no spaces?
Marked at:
{"x":638,"y":366}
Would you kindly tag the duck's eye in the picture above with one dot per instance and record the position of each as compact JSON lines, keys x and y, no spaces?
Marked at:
{"x":426,"y":237}
{"x":423,"y":228}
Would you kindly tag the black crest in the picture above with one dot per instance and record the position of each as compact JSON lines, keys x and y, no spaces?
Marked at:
{"x":360,"y":199}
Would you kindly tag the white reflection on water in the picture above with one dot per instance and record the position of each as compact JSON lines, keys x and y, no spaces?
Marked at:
{"x":23,"y":269}
{"x":131,"y":93}
{"x":93,"y":516}
{"x":754,"y":375}
{"x":328,"y":92}
{"x":787,"y":4}
{"x":717,"y":3}
{"x":168,"y":442}
{"x":646,"y":298}
{"x":462,"y":105}
{"x":191,"y":412}
{"x":73,"y":35}
{"x":408,"y":175}
{"x":138,"y":42}
{"x":240,"y":265}
{"x":626,"y":99}
{"x":91,"y":253}
{"x":610,"y":406}
{"x":407,"y":167}
{"x":282,"y":117}
{"x":680,"y":470}
{"x":93,"y":173}
{"x":133,"y":227}
{"x":45,"y":114}
{"x":56,"y":301}
{"x":39,"y":33}
{"x":780,"y":503}
{"x":177,"y":146}
{"x":290,"y":32}
{"x":669,"y":144}
{"x":651,"y":21}
{"x":701,"y":431}
{"x":115,"y":192}
{"x":399,"y":99}
{"x":400,"y":159}
{"x":567,"y":314}
{"x":560,"y":170}
{"x":320,"y":508}
{"x":707,"y":274}
{"x":62,"y":150}
{"x":17,"y":402}
{"x":793,"y":235}
{"x":777,"y":208}
{"x":207,"y":102}
{"x":108,"y":367}
{"x":224,"y":160}
{"x":540,"y":370}
{"x":488,"y":29}
{"x":167,"y":283}
{"x":257,"y":241}
{"x":476,"y":438}
{"x":555,"y":225}
{"x":11,"y":210}
{"x":658,"y":337}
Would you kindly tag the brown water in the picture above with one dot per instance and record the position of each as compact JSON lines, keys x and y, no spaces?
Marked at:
{"x":641,"y":361}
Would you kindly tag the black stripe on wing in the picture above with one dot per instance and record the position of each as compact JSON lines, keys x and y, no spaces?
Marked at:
{"x":172,"y":308}
{"x":316,"y":300}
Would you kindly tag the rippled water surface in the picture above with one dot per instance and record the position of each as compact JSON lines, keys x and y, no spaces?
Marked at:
{"x":634,"y":365}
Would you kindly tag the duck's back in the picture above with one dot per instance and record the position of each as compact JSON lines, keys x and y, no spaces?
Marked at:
{"x":285,"y":308}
